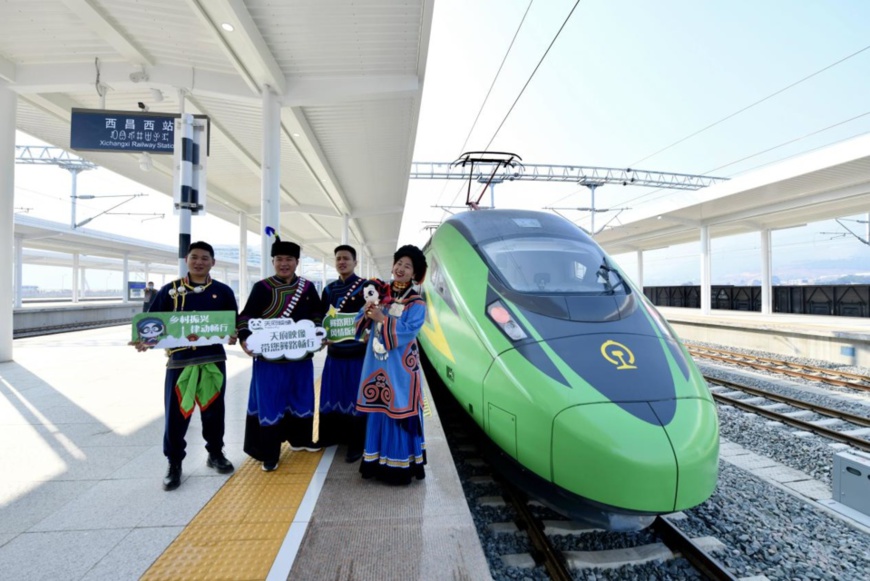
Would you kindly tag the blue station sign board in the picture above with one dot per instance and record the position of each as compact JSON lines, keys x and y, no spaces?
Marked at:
{"x":127,"y":131}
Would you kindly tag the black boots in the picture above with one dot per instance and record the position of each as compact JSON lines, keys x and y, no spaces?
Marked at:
{"x":173,"y":476}
{"x":220,"y":463}
{"x":217,"y":461}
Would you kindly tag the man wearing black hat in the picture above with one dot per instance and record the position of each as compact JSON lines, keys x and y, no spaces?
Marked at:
{"x":195,"y":292}
{"x":281,"y":400}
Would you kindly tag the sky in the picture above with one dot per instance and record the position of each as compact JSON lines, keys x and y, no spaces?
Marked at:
{"x":626,"y":79}
{"x":625,"y":84}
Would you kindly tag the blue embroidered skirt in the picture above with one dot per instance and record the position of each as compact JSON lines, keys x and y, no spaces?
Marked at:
{"x":395,"y":450}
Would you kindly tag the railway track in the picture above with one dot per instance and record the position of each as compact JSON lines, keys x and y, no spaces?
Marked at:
{"x":520,"y":533}
{"x":805,"y":372}
{"x":774,"y":406}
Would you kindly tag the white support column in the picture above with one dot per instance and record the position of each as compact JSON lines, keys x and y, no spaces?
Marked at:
{"x":75,"y":278}
{"x":639,"y":281}
{"x":145,"y":267}
{"x":8,"y":106}
{"x":19,"y":270}
{"x":766,"y":279}
{"x":345,"y":229}
{"x":83,"y":280}
{"x":706,"y":298}
{"x":270,"y":190}
{"x":322,"y":274}
{"x":125,"y":279}
{"x":243,"y":258}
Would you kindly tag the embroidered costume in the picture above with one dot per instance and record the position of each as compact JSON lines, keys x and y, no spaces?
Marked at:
{"x":281,"y":398}
{"x":390,"y":392}
{"x":194,"y":375}
{"x":341,"y":422}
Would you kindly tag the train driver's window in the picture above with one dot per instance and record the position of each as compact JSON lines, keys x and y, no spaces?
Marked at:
{"x":545,"y":265}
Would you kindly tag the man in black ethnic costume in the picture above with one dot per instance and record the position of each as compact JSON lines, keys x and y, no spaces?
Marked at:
{"x":281,"y":398}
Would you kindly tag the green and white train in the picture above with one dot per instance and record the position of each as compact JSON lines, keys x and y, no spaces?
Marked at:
{"x":592,"y":401}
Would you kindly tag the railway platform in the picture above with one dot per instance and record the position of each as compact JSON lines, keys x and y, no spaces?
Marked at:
{"x":81,"y":423}
{"x":844,"y":340}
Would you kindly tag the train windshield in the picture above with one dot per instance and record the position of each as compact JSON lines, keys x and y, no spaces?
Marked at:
{"x":544,"y":265}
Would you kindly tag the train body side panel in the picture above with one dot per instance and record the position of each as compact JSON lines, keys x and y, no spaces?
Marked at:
{"x":459,"y":350}
{"x":513,"y":386}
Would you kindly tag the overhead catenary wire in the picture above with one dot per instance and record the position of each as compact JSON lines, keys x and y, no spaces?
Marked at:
{"x":497,"y":73}
{"x":488,"y":93}
{"x":789,"y":142}
{"x":750,"y":106}
{"x":528,"y":81}
{"x":756,"y":154}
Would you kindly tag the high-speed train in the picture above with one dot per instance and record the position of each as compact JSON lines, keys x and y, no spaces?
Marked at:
{"x":589,"y":396}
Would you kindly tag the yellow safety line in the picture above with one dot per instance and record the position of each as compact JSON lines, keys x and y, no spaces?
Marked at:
{"x":239,"y":532}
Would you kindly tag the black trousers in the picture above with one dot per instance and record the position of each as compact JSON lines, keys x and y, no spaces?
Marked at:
{"x":175,"y":425}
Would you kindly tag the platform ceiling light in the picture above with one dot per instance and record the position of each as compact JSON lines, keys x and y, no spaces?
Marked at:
{"x":157,"y":95}
{"x":227,"y":26}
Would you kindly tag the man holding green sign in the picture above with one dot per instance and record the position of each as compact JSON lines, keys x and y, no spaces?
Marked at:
{"x":192,"y":317}
{"x":342,"y":300}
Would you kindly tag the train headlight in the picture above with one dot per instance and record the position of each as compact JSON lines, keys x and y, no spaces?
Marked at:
{"x":502,"y":317}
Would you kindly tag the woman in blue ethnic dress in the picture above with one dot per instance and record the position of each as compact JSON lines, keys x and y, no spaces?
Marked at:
{"x":281,"y":398}
{"x":391,"y":387}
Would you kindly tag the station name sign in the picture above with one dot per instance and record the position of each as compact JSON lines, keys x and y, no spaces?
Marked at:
{"x":127,"y":131}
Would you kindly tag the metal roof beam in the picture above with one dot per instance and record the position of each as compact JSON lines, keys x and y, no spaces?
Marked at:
{"x":378,"y":212}
{"x":7,"y":70}
{"x":331,"y":90}
{"x":71,"y":78}
{"x":244,"y":47}
{"x":311,"y":209}
{"x":841,"y":195}
{"x":96,"y":20}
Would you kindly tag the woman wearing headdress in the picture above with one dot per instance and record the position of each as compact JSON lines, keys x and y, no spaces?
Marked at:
{"x":391,"y":388}
{"x":281,"y":398}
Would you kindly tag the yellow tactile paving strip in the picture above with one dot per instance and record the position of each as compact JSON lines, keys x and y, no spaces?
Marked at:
{"x":237,"y":535}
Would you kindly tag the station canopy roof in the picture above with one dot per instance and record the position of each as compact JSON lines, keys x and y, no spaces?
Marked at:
{"x":348,"y":74}
{"x":829,"y":183}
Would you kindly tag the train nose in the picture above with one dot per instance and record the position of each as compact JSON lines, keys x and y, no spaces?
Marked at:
{"x":600,"y":454}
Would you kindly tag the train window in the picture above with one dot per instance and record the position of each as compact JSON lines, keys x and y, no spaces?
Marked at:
{"x":552,"y":265}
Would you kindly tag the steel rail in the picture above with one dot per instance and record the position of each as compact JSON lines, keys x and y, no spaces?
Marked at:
{"x":678,"y":542}
{"x":821,"y":430}
{"x":811,"y":373}
{"x":553,"y":560}
{"x":819,"y":409}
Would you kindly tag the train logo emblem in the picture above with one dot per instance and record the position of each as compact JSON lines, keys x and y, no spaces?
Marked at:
{"x":618,"y":354}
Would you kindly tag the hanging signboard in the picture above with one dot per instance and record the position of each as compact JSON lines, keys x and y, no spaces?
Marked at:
{"x":128,"y":131}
